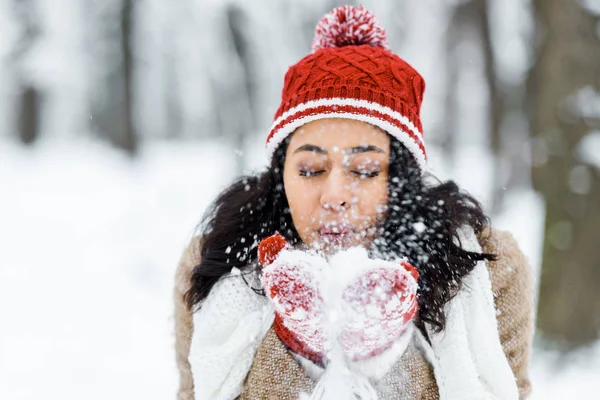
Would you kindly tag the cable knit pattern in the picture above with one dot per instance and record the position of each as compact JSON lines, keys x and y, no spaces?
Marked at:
{"x":352,"y":74}
{"x":363,"y":82}
{"x":276,"y":374}
{"x":358,"y":72}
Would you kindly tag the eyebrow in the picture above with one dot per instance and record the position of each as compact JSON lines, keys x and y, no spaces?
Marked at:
{"x":353,"y":150}
{"x":312,"y":148}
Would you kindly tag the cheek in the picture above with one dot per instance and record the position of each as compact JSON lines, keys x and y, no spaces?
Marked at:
{"x":300,"y":199}
{"x":373,"y":197}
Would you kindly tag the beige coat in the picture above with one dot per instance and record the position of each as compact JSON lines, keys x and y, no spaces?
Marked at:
{"x":275,"y":373}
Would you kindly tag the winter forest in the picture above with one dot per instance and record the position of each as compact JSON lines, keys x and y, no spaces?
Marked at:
{"x":120,"y":120}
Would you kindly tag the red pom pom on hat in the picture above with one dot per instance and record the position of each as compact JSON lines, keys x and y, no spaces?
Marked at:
{"x":349,"y":26}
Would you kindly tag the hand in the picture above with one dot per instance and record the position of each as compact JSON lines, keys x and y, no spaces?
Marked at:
{"x":377,"y":304}
{"x":290,"y":279}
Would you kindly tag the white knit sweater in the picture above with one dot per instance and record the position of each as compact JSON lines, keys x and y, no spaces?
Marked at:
{"x":467,"y":357}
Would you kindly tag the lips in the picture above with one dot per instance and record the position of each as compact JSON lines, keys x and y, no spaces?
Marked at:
{"x":336,"y":229}
{"x":336,"y":234}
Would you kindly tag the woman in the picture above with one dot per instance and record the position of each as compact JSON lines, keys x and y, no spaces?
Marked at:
{"x":348,"y":170}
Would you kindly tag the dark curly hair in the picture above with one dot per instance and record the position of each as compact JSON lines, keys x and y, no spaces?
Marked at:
{"x":422,"y":222}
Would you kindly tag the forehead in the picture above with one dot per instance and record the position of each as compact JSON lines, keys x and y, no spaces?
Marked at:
{"x":341,"y":133}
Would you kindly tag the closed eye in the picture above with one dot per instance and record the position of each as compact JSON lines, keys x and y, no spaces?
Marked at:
{"x":364,"y":175}
{"x":309,"y":174}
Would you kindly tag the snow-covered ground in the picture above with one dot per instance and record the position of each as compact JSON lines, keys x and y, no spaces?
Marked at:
{"x":89,"y":242}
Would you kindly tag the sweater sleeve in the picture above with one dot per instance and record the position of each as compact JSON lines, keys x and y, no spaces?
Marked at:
{"x":512,"y":284}
{"x":184,"y":326}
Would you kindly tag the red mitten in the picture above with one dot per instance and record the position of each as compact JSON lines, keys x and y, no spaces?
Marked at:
{"x":378,"y":306}
{"x":290,"y":281}
{"x":269,"y":248}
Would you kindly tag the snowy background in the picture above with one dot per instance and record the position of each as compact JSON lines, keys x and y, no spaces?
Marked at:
{"x":90,"y":235}
{"x":89,"y":241}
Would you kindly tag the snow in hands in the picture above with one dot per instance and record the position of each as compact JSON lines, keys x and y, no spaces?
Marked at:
{"x":345,"y":308}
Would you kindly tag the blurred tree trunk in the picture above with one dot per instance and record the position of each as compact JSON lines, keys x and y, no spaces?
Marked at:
{"x":172,"y":88}
{"x":242,"y":95}
{"x":113,"y":115}
{"x":129,"y":138}
{"x":468,"y":17}
{"x":496,"y":102}
{"x":447,"y":138}
{"x":238,"y":28}
{"x":29,"y":112}
{"x":28,"y":103}
{"x":567,"y":61}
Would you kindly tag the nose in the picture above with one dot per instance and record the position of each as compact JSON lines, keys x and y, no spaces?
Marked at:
{"x":336,"y":194}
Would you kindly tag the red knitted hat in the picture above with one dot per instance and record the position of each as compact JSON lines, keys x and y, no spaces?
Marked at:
{"x":351,"y":73}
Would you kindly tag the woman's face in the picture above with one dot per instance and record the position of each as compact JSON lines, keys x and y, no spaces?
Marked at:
{"x":335,"y":177}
